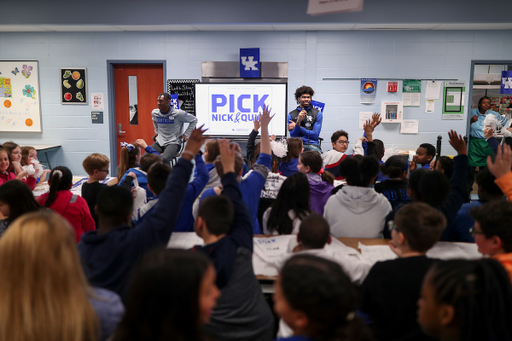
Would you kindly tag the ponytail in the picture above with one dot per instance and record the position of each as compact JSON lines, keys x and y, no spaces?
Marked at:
{"x":315,"y":163}
{"x":60,"y":179}
{"x":127,"y":158}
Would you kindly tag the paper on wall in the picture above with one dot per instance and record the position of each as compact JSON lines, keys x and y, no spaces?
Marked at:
{"x":363,"y":116}
{"x":409,"y":127}
{"x":433,"y":88}
{"x":429,"y":106}
{"x":411,"y":99}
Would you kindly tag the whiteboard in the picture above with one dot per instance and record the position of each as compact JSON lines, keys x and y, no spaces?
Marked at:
{"x":20,"y":108}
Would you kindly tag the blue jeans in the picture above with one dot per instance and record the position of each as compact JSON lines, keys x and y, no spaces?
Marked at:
{"x":313,"y":147}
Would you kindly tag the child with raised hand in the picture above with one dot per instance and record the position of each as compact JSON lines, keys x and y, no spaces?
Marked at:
{"x":252,"y":184}
{"x":501,"y":169}
{"x":320,"y":182}
{"x":71,"y":206}
{"x":172,"y":295}
{"x":434,"y":188}
{"x":424,"y":155}
{"x":388,"y":296}
{"x":357,"y":210}
{"x":444,"y":164}
{"x":16,"y":199}
{"x":224,"y":223}
{"x":316,"y":299}
{"x":115,"y":245}
{"x":6,"y":175}
{"x":289,"y":208}
{"x":465,"y":300}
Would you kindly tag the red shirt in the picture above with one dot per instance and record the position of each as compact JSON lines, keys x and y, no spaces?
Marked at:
{"x":74,"y":208}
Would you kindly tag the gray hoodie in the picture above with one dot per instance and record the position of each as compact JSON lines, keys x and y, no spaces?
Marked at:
{"x":357,"y":212}
{"x":169,"y":126}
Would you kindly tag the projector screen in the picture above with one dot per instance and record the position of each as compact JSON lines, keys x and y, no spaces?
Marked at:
{"x":229,"y":109}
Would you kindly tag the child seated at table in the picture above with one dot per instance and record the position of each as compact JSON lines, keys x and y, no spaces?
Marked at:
{"x":224,"y":223}
{"x":96,"y":166}
{"x":424,"y":155}
{"x":289,"y":163}
{"x":388,"y":296}
{"x":29,"y":156}
{"x":6,"y":174}
{"x":109,"y":254}
{"x":316,"y":299}
{"x":493,"y":231}
{"x":395,"y":187}
{"x":71,"y":206}
{"x":466,"y":300}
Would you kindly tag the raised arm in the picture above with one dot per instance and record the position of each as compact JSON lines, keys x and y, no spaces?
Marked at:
{"x":501,"y":169}
{"x":265,"y":119}
{"x":249,"y":148}
{"x":157,"y":226}
{"x":241,"y":229}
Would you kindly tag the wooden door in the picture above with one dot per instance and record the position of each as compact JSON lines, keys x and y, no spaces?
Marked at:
{"x":137,"y":87}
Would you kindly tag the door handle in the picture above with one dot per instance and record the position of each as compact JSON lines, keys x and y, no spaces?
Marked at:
{"x":120,"y":130}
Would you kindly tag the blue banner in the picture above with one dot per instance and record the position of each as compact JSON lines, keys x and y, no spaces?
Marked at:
{"x":368,"y":90}
{"x":174,"y":101}
{"x":506,"y":83}
{"x":250,"y":63}
{"x":318,"y":105}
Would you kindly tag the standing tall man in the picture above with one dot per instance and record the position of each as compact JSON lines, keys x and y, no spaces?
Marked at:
{"x":168,"y":124}
{"x":306,"y":121}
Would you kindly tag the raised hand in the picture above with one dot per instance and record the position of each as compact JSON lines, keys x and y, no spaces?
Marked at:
{"x":376,"y":119}
{"x":141,"y":143}
{"x":265,"y":118}
{"x":502,"y":163}
{"x":194,"y":143}
{"x":457,"y":142}
{"x":256,"y":123}
{"x":227,"y":155}
{"x":368,"y":127}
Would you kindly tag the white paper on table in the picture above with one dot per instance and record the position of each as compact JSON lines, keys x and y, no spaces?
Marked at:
{"x":432,"y":91}
{"x":411,"y":99}
{"x":429,"y":106}
{"x":409,"y":127}
{"x":363,"y":116}
{"x":184,"y":240}
{"x":441,"y":250}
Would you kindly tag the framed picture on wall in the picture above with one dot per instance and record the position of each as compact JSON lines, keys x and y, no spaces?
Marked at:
{"x":73,"y":85}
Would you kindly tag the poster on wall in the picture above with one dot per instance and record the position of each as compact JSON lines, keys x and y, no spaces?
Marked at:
{"x":73,"y":86}
{"x":368,"y":90}
{"x":411,"y":92}
{"x":185,"y":89}
{"x":453,"y":100}
{"x":20,"y":108}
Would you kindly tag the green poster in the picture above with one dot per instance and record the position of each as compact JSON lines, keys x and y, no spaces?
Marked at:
{"x":411,"y":92}
{"x":453,"y":100}
{"x":411,"y":85}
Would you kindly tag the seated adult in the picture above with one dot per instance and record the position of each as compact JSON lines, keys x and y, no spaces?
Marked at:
{"x":306,"y":121}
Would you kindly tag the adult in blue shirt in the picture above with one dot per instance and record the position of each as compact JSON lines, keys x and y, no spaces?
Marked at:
{"x":478,"y":147}
{"x":305,"y":121}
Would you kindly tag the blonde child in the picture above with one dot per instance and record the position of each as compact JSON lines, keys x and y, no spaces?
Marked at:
{"x":29,"y":156}
{"x":96,"y":166}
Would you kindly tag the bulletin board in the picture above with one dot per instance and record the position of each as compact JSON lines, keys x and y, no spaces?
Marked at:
{"x":20,"y":108}
{"x":186,"y":91}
